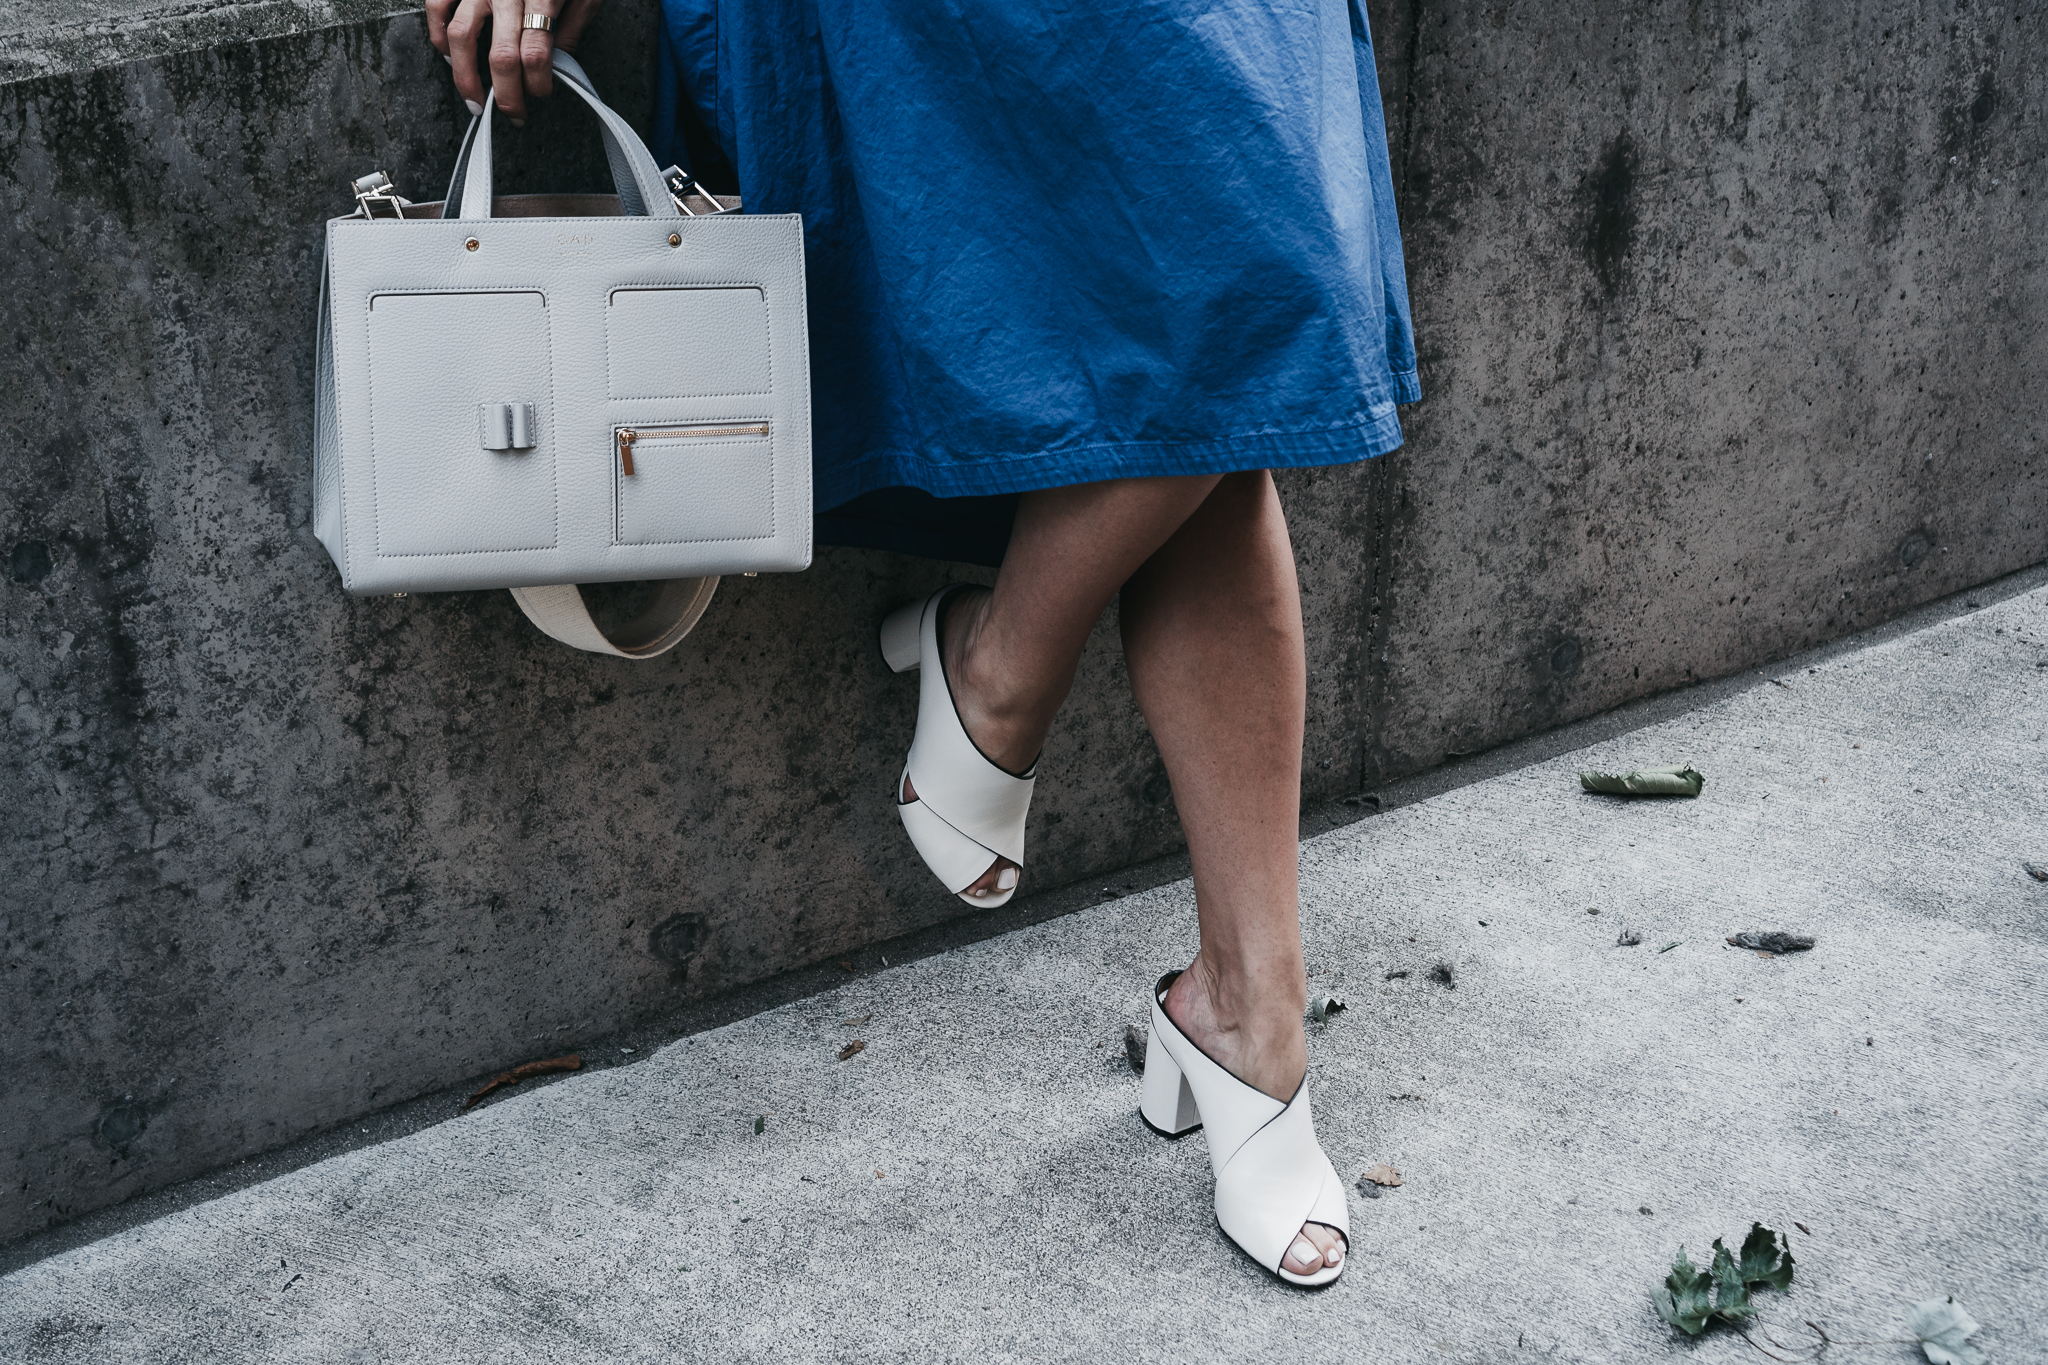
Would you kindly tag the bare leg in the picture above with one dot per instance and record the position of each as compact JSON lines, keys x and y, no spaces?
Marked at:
{"x":1213,"y":636}
{"x":1212,"y":633}
{"x":1011,"y":654}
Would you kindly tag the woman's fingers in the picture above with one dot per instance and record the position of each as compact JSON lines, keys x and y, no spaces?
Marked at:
{"x":508,"y":78}
{"x":438,"y":14}
{"x":536,"y":51}
{"x":462,"y":34}
{"x":520,"y":61}
{"x":570,"y":23}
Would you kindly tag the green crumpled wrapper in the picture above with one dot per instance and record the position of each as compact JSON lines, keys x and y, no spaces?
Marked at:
{"x":1685,"y":781}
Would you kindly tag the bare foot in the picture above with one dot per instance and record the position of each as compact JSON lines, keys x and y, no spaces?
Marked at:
{"x":1266,"y":1051}
{"x":1012,"y":744}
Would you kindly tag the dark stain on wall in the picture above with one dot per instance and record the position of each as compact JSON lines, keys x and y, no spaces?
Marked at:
{"x":29,"y":562}
{"x":1985,"y":104}
{"x":1612,"y":232}
{"x":677,"y":941}
{"x":121,"y":1123}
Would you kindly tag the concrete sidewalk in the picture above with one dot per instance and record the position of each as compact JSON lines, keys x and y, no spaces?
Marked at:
{"x":1565,"y":1111}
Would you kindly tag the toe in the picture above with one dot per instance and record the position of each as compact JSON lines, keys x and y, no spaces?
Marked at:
{"x":1000,"y":877}
{"x":1304,"y":1257}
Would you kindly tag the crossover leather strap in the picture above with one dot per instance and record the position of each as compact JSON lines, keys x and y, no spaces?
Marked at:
{"x":560,"y":611}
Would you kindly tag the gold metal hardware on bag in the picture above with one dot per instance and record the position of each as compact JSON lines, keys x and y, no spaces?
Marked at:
{"x":472,"y":243}
{"x":630,"y":436}
{"x":675,"y":239}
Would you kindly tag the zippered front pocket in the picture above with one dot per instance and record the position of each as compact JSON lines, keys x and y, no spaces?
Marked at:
{"x":693,"y":481}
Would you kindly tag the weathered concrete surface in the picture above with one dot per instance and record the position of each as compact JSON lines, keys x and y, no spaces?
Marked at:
{"x":1566,"y":1112}
{"x":44,"y":37}
{"x":1732,"y":325}
{"x":278,"y":857}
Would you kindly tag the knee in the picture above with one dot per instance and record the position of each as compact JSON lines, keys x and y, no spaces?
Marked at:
{"x":1247,"y":495}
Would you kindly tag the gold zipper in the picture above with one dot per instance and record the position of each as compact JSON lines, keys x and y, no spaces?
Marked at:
{"x":629,"y":436}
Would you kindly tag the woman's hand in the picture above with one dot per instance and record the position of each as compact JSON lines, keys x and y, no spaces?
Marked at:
{"x":520,"y":58}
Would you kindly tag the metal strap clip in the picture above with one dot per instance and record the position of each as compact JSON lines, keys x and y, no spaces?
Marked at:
{"x":681,"y":185}
{"x":375,"y":189}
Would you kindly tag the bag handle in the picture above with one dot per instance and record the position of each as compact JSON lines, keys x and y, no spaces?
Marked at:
{"x":560,"y":611}
{"x":642,"y":192}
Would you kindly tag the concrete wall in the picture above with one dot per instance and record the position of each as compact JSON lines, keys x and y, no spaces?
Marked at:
{"x":1731,"y":329}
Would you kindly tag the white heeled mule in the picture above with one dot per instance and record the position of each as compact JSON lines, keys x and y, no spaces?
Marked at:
{"x":968,"y":812}
{"x":1271,"y":1173}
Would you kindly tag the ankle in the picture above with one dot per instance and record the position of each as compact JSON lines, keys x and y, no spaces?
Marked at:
{"x":1006,"y":711}
{"x":1241,"y":1013}
{"x":1258,"y":996}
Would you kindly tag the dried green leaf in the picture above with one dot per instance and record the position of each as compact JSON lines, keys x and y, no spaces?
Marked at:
{"x":1763,"y":1263}
{"x":1731,"y":1295}
{"x":1682,"y":781}
{"x":1693,"y":1300}
{"x":1940,"y":1326}
{"x":1683,"y":1301}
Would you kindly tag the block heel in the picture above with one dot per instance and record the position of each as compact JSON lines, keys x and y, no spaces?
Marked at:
{"x":1168,"y":1104}
{"x":899,"y":637}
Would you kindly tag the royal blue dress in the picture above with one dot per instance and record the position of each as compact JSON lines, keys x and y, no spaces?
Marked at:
{"x":1050,"y":244}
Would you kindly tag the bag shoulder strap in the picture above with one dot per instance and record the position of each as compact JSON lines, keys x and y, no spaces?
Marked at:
{"x":560,"y":611}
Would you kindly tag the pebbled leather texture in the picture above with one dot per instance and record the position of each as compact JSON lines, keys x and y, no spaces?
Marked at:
{"x":585,"y":321}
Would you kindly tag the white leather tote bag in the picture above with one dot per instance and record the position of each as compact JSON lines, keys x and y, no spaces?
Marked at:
{"x":531,"y":392}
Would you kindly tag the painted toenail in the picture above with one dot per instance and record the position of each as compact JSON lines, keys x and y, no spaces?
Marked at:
{"x":980,"y":892}
{"x":1334,"y":1254}
{"x":1306,"y":1254}
{"x":1006,"y":879}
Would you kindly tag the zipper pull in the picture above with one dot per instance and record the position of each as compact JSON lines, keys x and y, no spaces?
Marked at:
{"x":626,"y":438}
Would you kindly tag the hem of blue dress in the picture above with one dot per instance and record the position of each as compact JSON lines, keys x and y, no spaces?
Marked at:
{"x":952,"y":477}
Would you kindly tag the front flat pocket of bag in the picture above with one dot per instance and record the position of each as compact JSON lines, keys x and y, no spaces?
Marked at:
{"x":449,"y":373}
{"x":694,"y":481}
{"x":687,"y":343}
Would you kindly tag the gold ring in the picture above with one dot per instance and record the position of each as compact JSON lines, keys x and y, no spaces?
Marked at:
{"x":544,"y":22}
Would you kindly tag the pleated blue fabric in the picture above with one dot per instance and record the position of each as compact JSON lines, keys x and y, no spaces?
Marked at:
{"x":1055,"y":243}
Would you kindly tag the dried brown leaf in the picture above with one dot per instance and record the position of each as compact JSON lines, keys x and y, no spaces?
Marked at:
{"x":573,"y":1062}
{"x":857,"y":1045}
{"x":1382,"y":1175}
